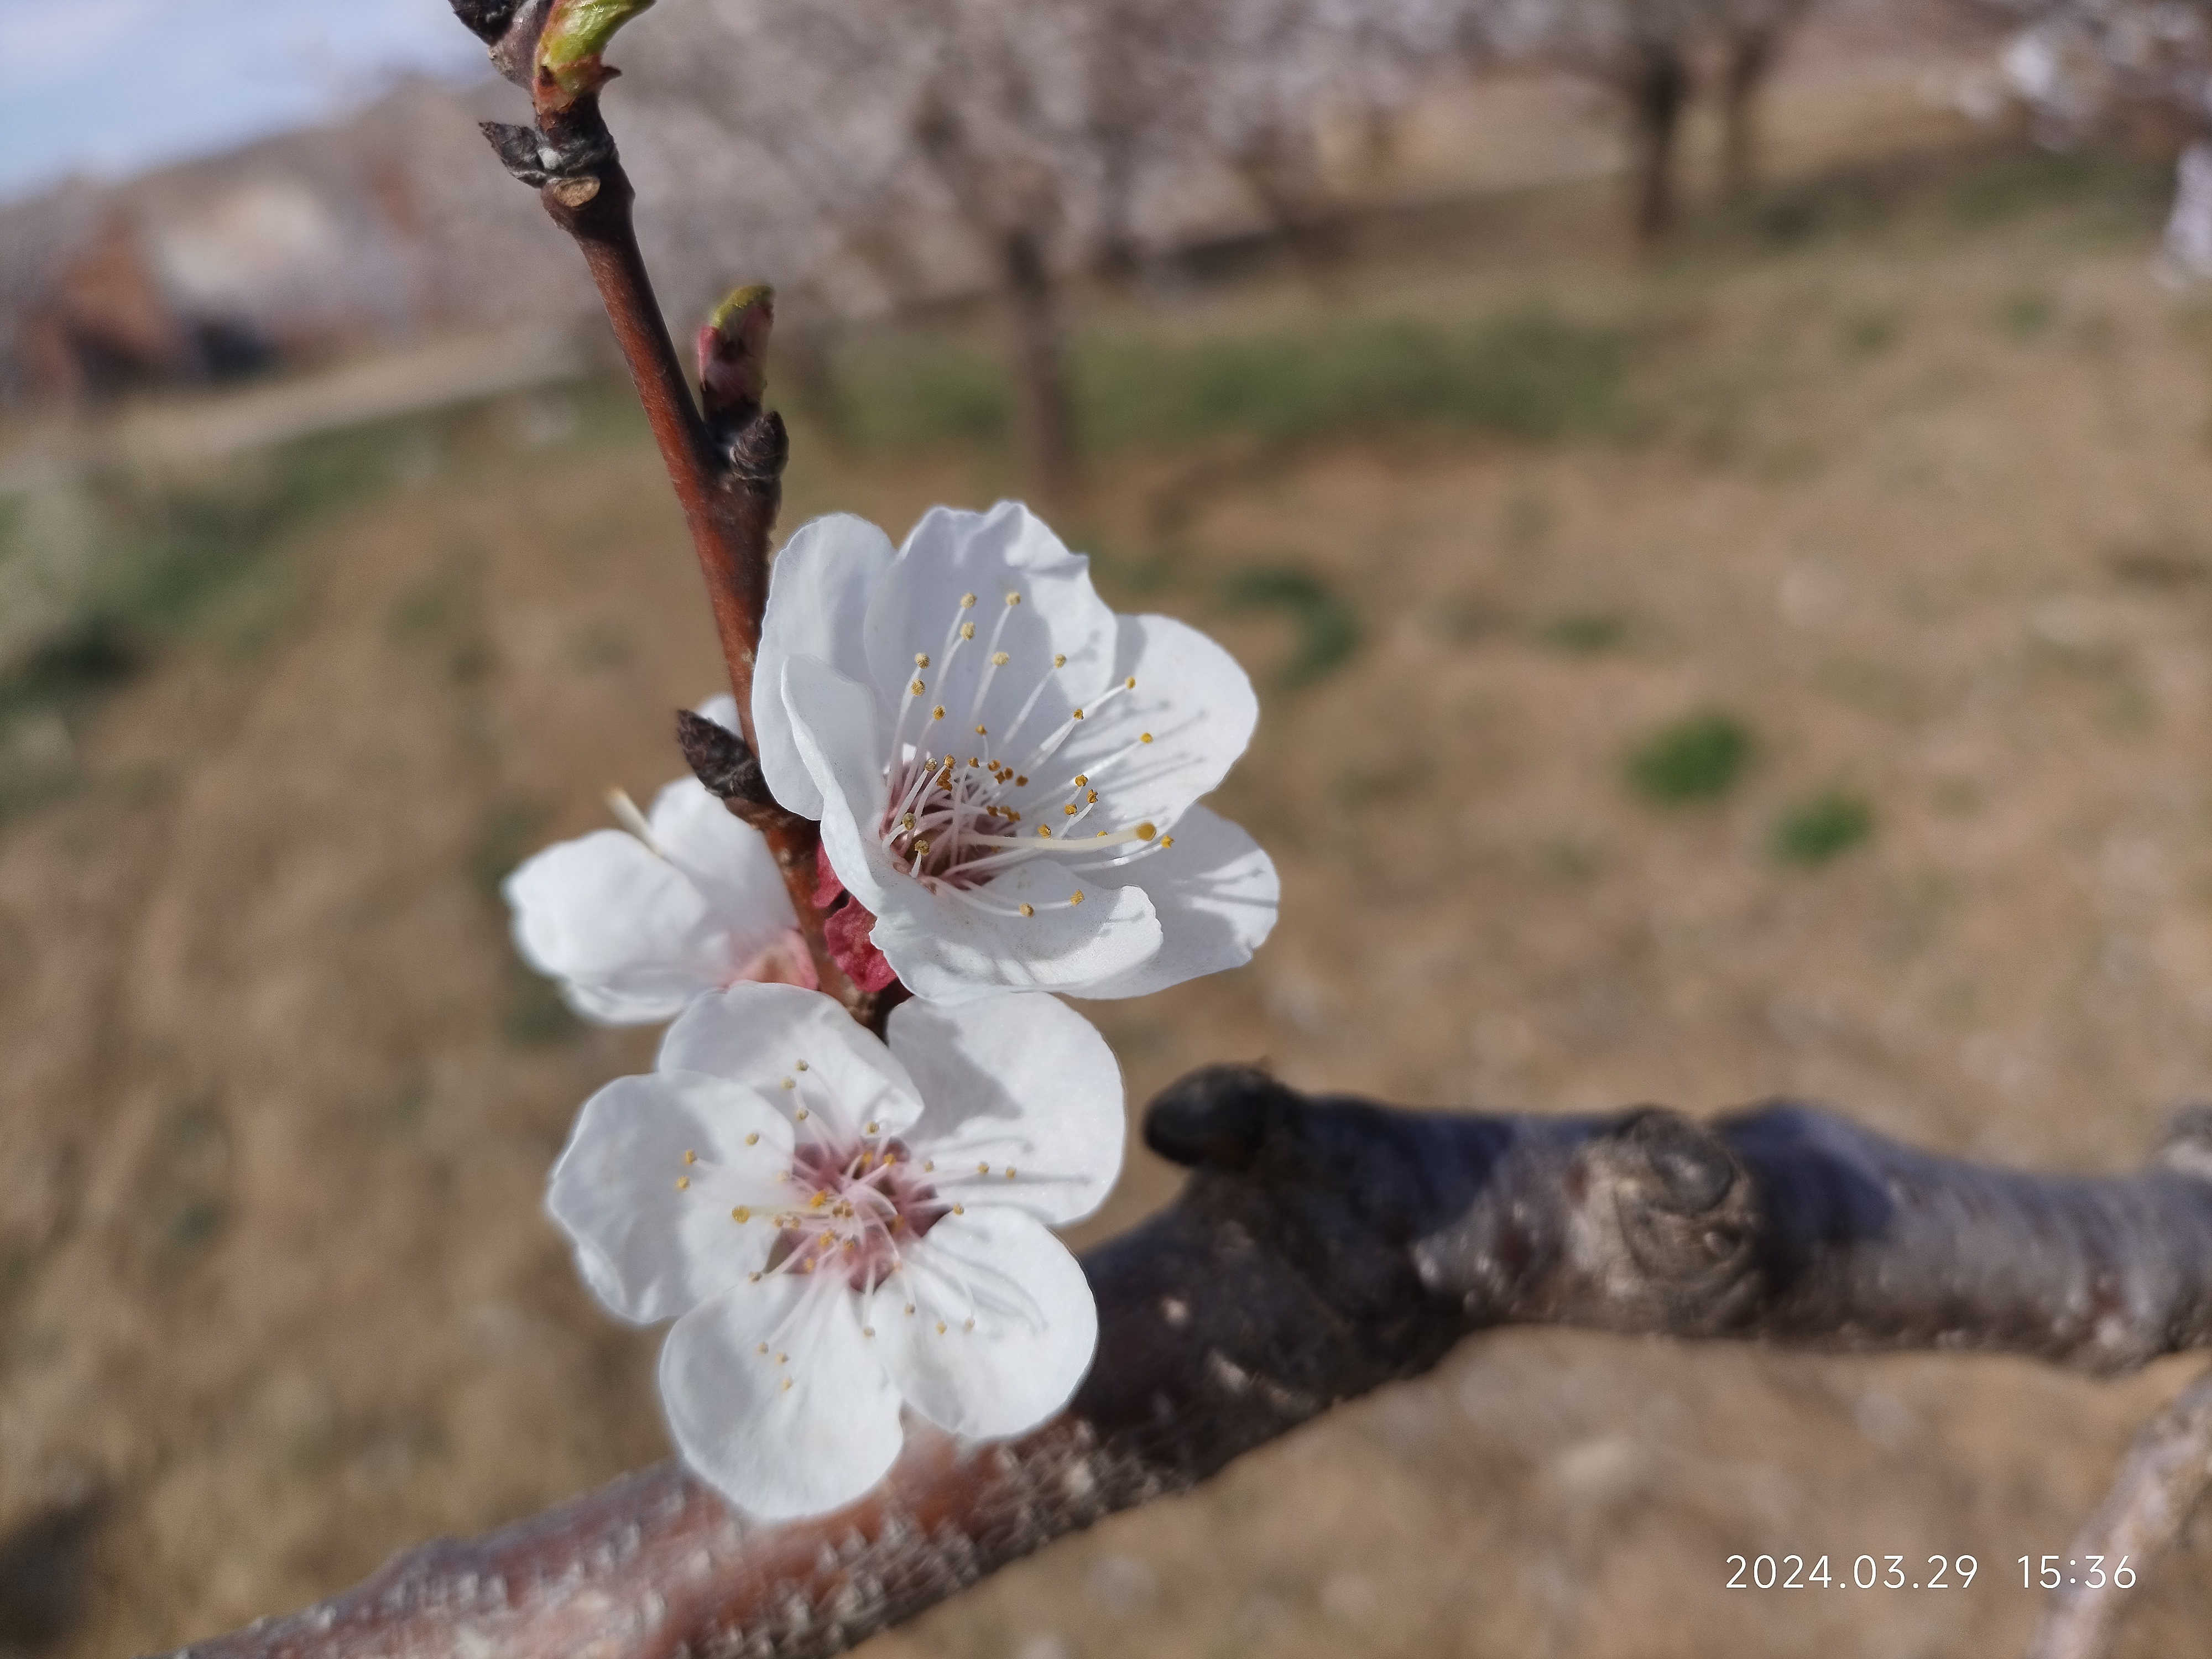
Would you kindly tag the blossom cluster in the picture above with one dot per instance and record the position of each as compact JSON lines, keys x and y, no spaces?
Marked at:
{"x":844,"y":1230}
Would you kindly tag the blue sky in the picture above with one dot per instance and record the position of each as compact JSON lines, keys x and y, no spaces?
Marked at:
{"x":109,"y":87}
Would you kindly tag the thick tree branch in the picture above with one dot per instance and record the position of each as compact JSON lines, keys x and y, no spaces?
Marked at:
{"x":1323,"y":1247}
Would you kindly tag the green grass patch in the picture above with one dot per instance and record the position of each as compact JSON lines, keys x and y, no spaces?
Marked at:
{"x":1327,"y":627}
{"x":1585,"y":632}
{"x":1822,"y":827}
{"x":2026,"y":315}
{"x":919,"y":395}
{"x":1697,"y":757}
{"x":1527,"y":375}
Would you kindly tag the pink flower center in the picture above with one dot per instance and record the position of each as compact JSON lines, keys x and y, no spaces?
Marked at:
{"x":855,"y":1207}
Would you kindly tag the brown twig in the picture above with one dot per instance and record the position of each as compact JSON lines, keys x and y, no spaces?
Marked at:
{"x":728,"y":478}
{"x":2162,"y":1480}
{"x":1321,"y":1249}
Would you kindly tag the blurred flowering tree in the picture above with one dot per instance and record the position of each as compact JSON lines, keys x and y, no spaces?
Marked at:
{"x":1647,"y":53}
{"x":1058,"y":137}
{"x":2083,"y":66}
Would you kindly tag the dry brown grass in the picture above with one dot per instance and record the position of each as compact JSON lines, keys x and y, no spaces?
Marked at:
{"x":1928,"y":507}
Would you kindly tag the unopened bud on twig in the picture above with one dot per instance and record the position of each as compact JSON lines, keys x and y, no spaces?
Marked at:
{"x":733,"y":350}
{"x":569,"y":51}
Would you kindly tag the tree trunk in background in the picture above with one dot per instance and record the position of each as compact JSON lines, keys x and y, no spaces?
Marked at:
{"x":1750,"y":55}
{"x":1658,"y":86}
{"x":1044,"y":402}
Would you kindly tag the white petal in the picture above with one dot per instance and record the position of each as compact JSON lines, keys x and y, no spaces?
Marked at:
{"x":954,"y":949}
{"x":722,"y":709}
{"x":727,"y":859}
{"x":1036,"y":1325}
{"x":1193,"y":700}
{"x":1009,"y":549}
{"x":837,"y":725}
{"x":1216,"y":893}
{"x":628,"y":934}
{"x":757,"y":1034}
{"x":818,"y":596}
{"x":1015,"y":1082}
{"x":779,"y":1452}
{"x":648,"y":1247}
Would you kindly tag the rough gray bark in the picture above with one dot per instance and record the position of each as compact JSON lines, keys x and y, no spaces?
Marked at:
{"x":1323,"y":1247}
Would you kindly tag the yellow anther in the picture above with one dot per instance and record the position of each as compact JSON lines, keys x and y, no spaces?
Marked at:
{"x":1069,"y":810}
{"x":798,"y":1065}
{"x":752,"y":1279}
{"x":817,"y":1201}
{"x":1021,"y":781}
{"x":1059,"y":661}
{"x":960,"y":1209}
{"x":906,"y":820}
{"x":743,"y":1212}
{"x":980,"y":732}
{"x":802,"y":1113}
{"x":791,"y":1083}
{"x":868,"y":1330}
{"x":1092,"y":796}
{"x":999,"y":659}
{"x":1077,"y":715}
{"x":1076,"y":897}
{"x":921,"y":659}
{"x":1167,"y":841}
{"x":1044,"y":831}
{"x":1028,"y":909}
{"x":967,"y":630}
{"x":1010,"y":1172}
{"x":1101,"y":834}
{"x":682,"y":1182}
{"x":937,"y":713}
{"x":874,"y":1128}
{"x":921,"y":847}
{"x":1082,"y":778}
{"x":1144,"y":737}
{"x":927,"y":1164}
{"x":982,"y":1169}
{"x":941,"y":1327}
{"x":966,"y":601}
{"x":916,"y":688}
{"x":969,"y":1324}
{"x":690,"y":1158}
{"x":1013,"y":598}
{"x":909,"y":1307}
{"x":783,"y":1359}
{"x":753,"y":1140}
{"x":1146,"y":831}
{"x":762,"y":1348}
{"x":1129,"y":685}
{"x":787,"y":1385}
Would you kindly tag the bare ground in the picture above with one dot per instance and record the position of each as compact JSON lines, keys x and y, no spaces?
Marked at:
{"x":1929,"y":509}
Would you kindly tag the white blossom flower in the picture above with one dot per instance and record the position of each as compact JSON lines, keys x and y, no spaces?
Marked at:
{"x":2187,"y":249}
{"x":633,"y":923}
{"x":838,"y":1227}
{"x":1005,"y":769}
